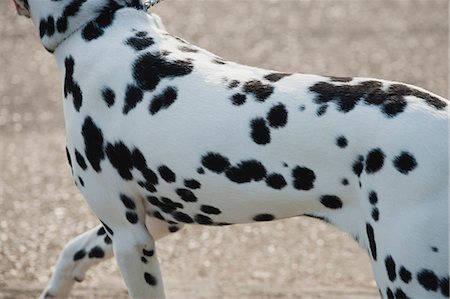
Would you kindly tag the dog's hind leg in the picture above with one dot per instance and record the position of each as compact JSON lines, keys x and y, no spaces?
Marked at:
{"x":87,"y":250}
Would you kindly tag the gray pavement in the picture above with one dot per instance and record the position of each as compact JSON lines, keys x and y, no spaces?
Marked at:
{"x":41,"y":209}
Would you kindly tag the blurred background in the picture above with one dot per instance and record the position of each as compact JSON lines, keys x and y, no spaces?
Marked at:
{"x":41,"y":209}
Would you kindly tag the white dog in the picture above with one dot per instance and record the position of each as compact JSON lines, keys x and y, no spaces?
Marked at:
{"x":161,"y":133}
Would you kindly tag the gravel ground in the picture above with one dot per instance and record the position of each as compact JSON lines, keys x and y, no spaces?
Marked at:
{"x":403,"y":40}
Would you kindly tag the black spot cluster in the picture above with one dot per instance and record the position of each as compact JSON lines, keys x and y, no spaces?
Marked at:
{"x":247,"y":171}
{"x":95,"y":252}
{"x":70,"y":85}
{"x":130,"y":214}
{"x":276,"y":118}
{"x":425,"y":277}
{"x":391,"y":102}
{"x":147,"y":254}
{"x":102,"y":232}
{"x":125,"y":160}
{"x":373,"y":199}
{"x":148,"y":70}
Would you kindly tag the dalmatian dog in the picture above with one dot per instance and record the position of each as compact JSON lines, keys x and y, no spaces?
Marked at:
{"x":161,"y":133}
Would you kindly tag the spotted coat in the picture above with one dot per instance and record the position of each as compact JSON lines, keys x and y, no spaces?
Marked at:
{"x":161,"y":133}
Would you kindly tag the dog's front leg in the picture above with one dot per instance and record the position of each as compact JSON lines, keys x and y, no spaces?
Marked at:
{"x":81,"y":253}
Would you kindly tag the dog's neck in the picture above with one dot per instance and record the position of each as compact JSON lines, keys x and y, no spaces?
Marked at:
{"x":57,"y":20}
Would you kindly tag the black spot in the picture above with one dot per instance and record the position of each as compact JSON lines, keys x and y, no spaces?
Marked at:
{"x":120,"y":157}
{"x":132,"y":217}
{"x":276,"y":181}
{"x":260,"y":90}
{"x":150,"y":68}
{"x":148,"y":252}
{"x":372,"y":243}
{"x":342,"y":142}
{"x":173,"y":229}
{"x":79,"y":255}
{"x":277,"y":116}
{"x":80,"y":160}
{"x":166,"y":174}
{"x":107,"y":240}
{"x":218,"y":61}
{"x":69,"y":159}
{"x":444,"y":284}
{"x":303,"y":178}
{"x":158,"y":215}
{"x":434,"y":249}
{"x":238,"y":99}
{"x":399,"y":294}
{"x":246,"y":171}
{"x":127,"y":202}
{"x":215,"y":162}
{"x":389,"y":293}
{"x":405,"y":275}
{"x":70,"y":86}
{"x":186,"y":195}
{"x":150,"y":279}
{"x":405,"y":162}
{"x":263,"y":217}
{"x":233,"y":84}
{"x":373,"y":197}
{"x":133,"y":96}
{"x":188,"y":49}
{"x":340,"y":79}
{"x":182,"y":217}
{"x":358,"y":166}
{"x":200,"y":170}
{"x":96,"y":252}
{"x":93,"y":142}
{"x":163,"y":100}
{"x":390,"y":268}
{"x":101,"y":231}
{"x":144,"y":260}
{"x":210,"y":210}
{"x":344,"y":182}
{"x":202,"y":219}
{"x":374,"y":161}
{"x":61,"y":24}
{"x":428,"y":280}
{"x":192,"y":184}
{"x":375,"y":214}
{"x":139,"y":42}
{"x":274,"y":77}
{"x":108,"y":96}
{"x":322,"y":110}
{"x":331,"y":201}
{"x":302,"y":108}
{"x":260,"y":133}
{"x":81,"y":181}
